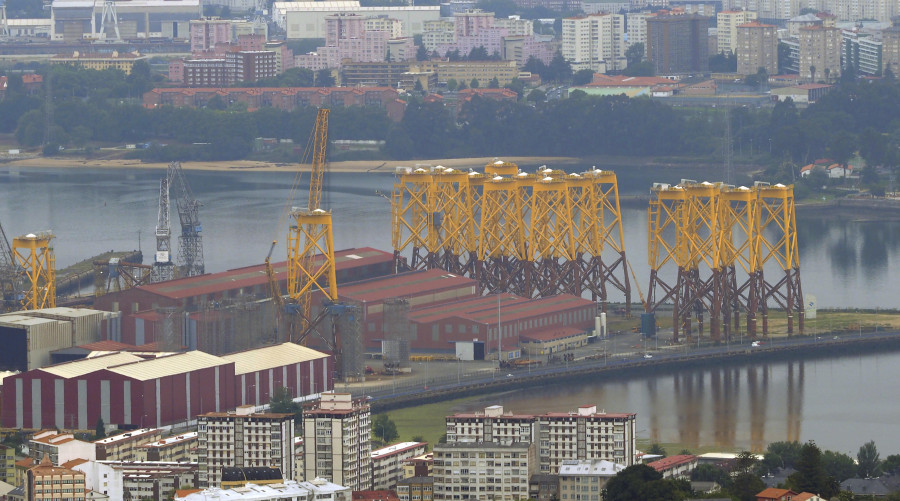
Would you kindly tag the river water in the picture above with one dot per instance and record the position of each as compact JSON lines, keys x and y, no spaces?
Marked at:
{"x":840,"y":402}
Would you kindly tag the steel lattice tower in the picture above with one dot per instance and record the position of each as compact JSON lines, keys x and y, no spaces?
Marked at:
{"x":190,"y":242}
{"x":163,"y":267}
{"x":35,"y":255}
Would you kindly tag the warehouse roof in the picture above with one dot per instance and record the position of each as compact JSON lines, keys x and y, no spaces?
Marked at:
{"x":551,"y":334}
{"x":87,"y":365}
{"x":168,"y":365}
{"x":15,"y":319}
{"x":256,"y":275}
{"x":269,"y":357}
{"x":462,"y":307}
{"x":64,"y":311}
{"x":404,"y":285}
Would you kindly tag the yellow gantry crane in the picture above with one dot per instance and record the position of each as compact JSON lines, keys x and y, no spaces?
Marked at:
{"x":310,"y":247}
{"x":35,"y":255}
{"x":310,"y":250}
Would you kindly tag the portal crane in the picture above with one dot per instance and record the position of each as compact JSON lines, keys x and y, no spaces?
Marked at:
{"x":163,"y":267}
{"x":190,"y":242}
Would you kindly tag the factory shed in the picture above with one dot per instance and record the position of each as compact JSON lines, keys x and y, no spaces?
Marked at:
{"x":27,"y":340}
{"x":261,"y":371}
{"x":123,"y":389}
{"x":419,"y":288}
{"x":195,"y":293}
{"x":478,"y":319}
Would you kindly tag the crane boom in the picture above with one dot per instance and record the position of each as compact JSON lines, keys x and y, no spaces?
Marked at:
{"x":318,"y":161}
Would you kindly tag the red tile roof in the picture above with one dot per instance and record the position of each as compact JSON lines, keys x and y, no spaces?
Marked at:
{"x":672,"y":462}
{"x":774,"y":493}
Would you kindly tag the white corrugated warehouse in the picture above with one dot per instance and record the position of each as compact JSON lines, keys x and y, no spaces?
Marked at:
{"x":27,"y":340}
{"x":307,"y":19}
{"x":77,"y":19}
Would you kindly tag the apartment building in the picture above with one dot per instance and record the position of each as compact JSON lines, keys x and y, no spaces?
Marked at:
{"x":862,"y":51}
{"x":393,"y":27}
{"x":416,"y":489}
{"x":337,"y":440}
{"x":127,"y":446}
{"x":492,"y":425}
{"x":176,"y":448}
{"x":595,"y":42}
{"x":584,"y":434}
{"x":207,"y":33}
{"x":387,"y":463}
{"x":472,"y":21}
{"x":59,"y":447}
{"x":244,"y":439}
{"x":585,"y":480}
{"x":636,"y":27}
{"x":483,"y":470}
{"x":144,"y":480}
{"x":727,"y":23}
{"x":677,"y":44}
{"x":757,"y":47}
{"x":46,"y":481}
{"x":890,"y":50}
{"x":820,"y":53}
{"x":8,"y":464}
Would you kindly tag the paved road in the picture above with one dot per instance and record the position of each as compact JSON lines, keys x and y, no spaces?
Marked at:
{"x":622,"y":352}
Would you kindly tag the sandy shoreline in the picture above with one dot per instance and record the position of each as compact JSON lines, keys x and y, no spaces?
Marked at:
{"x":255,"y":166}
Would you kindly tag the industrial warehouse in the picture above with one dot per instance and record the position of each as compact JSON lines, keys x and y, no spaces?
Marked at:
{"x":157,"y":389}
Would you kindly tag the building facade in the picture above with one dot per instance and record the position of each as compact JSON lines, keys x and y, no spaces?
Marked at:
{"x":96,"y":61}
{"x":244,"y":439}
{"x":585,"y":480}
{"x":757,"y":47}
{"x":820,"y":53}
{"x":595,"y":42}
{"x":727,"y":23}
{"x":387,"y":463}
{"x":46,"y":481}
{"x":337,"y":440}
{"x":176,"y":448}
{"x":127,"y":446}
{"x":862,"y":51}
{"x":483,"y":470}
{"x":584,"y":434}
{"x":890,"y":50}
{"x":677,"y":44}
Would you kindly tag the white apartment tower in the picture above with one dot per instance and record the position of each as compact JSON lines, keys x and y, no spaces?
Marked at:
{"x":584,"y":434}
{"x":728,"y":22}
{"x":244,"y":439}
{"x":595,"y":42}
{"x":636,"y":27}
{"x":483,"y":470}
{"x":337,"y":441}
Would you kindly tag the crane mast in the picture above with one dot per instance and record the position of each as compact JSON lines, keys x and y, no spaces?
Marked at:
{"x":190,"y":242}
{"x":309,"y":236}
{"x":163,"y":267}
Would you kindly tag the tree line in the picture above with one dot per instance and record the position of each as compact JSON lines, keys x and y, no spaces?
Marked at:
{"x":91,"y":107}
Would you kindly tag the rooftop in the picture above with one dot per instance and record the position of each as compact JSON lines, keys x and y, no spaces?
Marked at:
{"x":87,"y":365}
{"x":269,"y":357}
{"x":167,"y":365}
{"x":672,"y":462}
{"x":127,"y":436}
{"x":395,"y":448}
{"x":588,"y":467}
{"x":184,"y":437}
{"x":256,"y":275}
{"x":404,"y":285}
